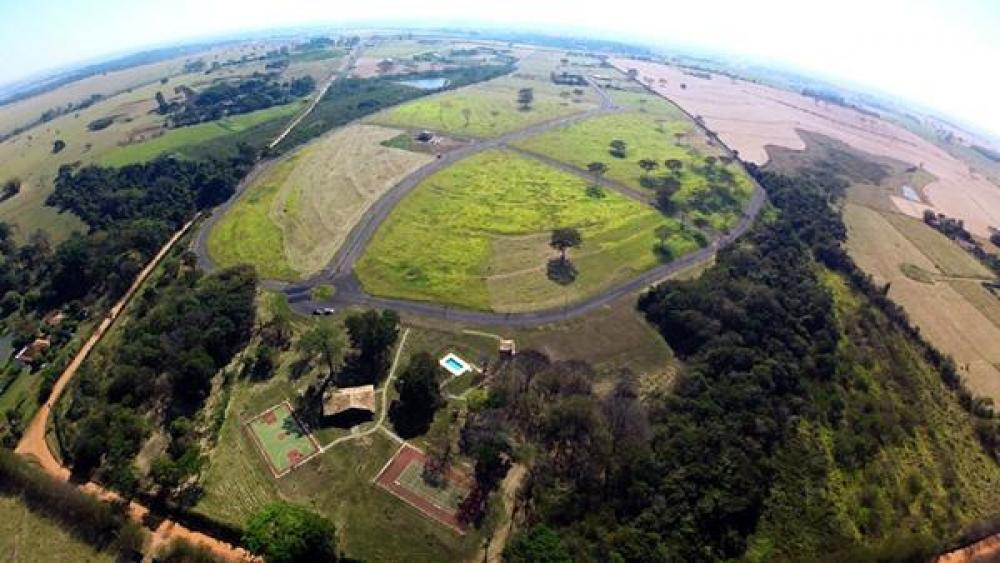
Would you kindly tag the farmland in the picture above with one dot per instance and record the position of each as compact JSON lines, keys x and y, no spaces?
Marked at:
{"x":293,"y":219}
{"x":491,"y":108}
{"x":476,"y":233}
{"x":133,"y":135}
{"x":173,"y":140}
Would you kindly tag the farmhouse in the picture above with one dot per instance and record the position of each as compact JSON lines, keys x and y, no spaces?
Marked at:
{"x":32,"y":352}
{"x":568,"y":79}
{"x":350,"y":398}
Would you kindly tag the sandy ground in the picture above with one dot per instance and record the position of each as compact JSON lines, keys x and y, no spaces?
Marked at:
{"x":983,"y":551}
{"x":33,"y":442}
{"x":333,"y":184}
{"x":748,"y":117}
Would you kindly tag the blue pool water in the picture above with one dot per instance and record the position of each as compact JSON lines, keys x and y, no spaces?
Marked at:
{"x":426,"y":83}
{"x":454,"y":364}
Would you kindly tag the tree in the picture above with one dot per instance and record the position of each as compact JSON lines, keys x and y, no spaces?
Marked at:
{"x":419,"y":397}
{"x":564,"y":239}
{"x":598,"y":169}
{"x":320,"y":342}
{"x":371,"y":334}
{"x":618,"y":148}
{"x":161,"y":104}
{"x":11,"y":188}
{"x":540,"y":544}
{"x":674,"y":165}
{"x":58,"y":146}
{"x":525,"y":96}
{"x":648,"y":165}
{"x":286,"y":533}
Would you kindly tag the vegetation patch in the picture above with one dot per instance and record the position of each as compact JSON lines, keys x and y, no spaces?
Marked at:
{"x":477,"y":235}
{"x":180,"y":141}
{"x":916,"y":273}
{"x":293,"y":218}
{"x":656,"y":148}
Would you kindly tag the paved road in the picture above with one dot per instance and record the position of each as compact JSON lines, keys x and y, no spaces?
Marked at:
{"x":339,"y":273}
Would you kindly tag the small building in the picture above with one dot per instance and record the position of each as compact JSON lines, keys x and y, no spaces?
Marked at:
{"x":54,"y":318}
{"x":507,"y":347}
{"x":30,"y":354}
{"x":343,"y":401}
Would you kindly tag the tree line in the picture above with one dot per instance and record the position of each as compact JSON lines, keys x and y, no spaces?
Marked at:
{"x":227,"y":98}
{"x":689,"y":475}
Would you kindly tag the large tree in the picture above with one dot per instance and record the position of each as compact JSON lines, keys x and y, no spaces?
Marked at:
{"x":563,"y":239}
{"x":539,"y":544}
{"x":320,"y":342}
{"x":286,"y":533}
{"x":372,"y":335}
{"x":419,"y":397}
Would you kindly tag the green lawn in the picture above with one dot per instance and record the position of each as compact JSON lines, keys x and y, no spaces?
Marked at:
{"x":476,"y":235}
{"x":246,"y":234}
{"x":489,"y":109}
{"x":655,"y":130}
{"x":175,"y":139}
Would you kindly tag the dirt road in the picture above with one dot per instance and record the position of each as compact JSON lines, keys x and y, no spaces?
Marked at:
{"x":33,"y":442}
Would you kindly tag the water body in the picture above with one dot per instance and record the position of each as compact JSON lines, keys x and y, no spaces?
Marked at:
{"x":911,"y":194}
{"x":426,"y":83}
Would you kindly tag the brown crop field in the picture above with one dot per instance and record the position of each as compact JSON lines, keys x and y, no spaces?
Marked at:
{"x":963,"y":327}
{"x":749,"y":117}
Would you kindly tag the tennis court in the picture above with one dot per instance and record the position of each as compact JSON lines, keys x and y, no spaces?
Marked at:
{"x":401,"y":476}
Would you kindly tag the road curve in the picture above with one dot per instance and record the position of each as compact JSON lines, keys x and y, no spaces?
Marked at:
{"x":339,"y":272}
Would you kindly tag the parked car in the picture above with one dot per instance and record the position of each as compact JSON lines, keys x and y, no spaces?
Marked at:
{"x":324,"y":311}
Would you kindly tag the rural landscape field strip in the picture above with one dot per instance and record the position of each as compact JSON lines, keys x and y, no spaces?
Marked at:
{"x":340,"y":272}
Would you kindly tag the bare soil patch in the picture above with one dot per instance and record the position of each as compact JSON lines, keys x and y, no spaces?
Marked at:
{"x":748,"y":117}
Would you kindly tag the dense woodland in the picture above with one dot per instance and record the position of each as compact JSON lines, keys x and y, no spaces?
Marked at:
{"x":226,"y":98}
{"x":799,"y":374}
{"x":181,"y":332}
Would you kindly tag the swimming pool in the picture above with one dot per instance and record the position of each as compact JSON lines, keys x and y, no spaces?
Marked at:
{"x":455,"y":365}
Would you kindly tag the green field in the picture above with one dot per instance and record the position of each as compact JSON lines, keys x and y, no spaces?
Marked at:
{"x":27,"y":536}
{"x":174,"y":139}
{"x":295,"y":216}
{"x":247,"y":235}
{"x":489,"y":109}
{"x":651,"y":129}
{"x":476,"y":235}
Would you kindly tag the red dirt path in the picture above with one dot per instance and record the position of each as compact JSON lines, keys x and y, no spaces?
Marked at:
{"x":33,"y":442}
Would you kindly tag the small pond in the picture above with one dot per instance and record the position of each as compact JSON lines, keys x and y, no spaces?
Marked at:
{"x":426,"y":83}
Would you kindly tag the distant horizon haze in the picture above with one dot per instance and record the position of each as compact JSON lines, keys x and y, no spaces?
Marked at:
{"x":934,"y":54}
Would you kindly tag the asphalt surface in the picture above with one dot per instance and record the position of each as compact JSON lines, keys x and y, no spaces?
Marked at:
{"x":339,"y":273}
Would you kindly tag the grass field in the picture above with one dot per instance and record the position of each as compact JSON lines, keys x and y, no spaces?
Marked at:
{"x":281,"y":438}
{"x":655,"y":130}
{"x":402,"y":48}
{"x":246,"y":233}
{"x":490,"y":109}
{"x":947,"y":256}
{"x":476,"y":233}
{"x":294,"y":218}
{"x":882,"y":243}
{"x":173,"y":139}
{"x":27,"y":536}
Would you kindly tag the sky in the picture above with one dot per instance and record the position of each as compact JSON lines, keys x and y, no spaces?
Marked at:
{"x":942,"y":54}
